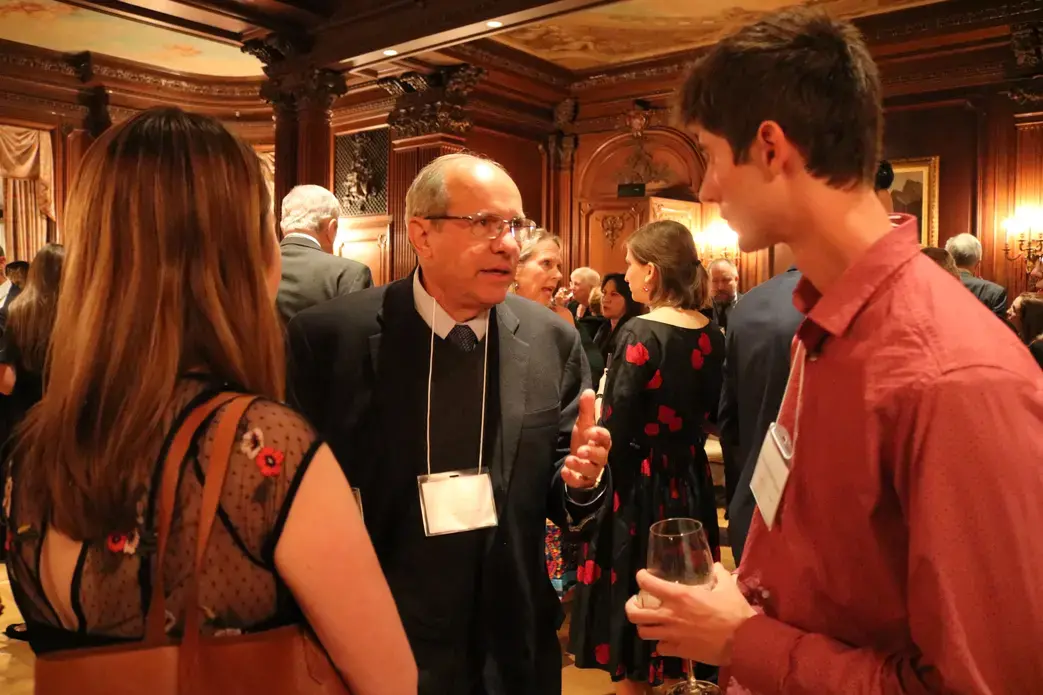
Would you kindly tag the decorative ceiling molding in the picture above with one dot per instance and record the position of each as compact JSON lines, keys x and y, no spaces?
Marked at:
{"x":894,"y":28}
{"x":948,"y":77}
{"x":505,"y":113}
{"x":61,"y":108}
{"x":638,"y":73}
{"x":520,"y":66}
{"x":38,"y":63}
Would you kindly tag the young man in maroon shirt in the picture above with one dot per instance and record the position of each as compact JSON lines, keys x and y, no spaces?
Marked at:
{"x":897,"y":545}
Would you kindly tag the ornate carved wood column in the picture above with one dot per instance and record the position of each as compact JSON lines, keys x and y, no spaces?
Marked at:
{"x":315,"y":95}
{"x":284,"y":110}
{"x":559,"y":156}
{"x":428,"y":121}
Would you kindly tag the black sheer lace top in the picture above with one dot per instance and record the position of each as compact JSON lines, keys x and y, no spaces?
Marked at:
{"x":239,"y":590}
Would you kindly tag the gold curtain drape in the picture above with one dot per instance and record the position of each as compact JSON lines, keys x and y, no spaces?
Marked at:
{"x":27,"y":167}
{"x":25,"y":227}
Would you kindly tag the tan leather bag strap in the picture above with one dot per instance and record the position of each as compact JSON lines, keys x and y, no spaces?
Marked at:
{"x":155,"y":633}
{"x":217,"y":468}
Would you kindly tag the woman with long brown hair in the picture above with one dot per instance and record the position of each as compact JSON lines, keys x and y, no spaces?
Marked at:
{"x":167,"y":300}
{"x":28,"y":322}
{"x":663,"y":386}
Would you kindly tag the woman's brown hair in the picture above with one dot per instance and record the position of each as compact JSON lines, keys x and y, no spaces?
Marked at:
{"x":32,"y":312}
{"x":668,"y":246}
{"x":169,"y":228}
{"x":1031,"y":318}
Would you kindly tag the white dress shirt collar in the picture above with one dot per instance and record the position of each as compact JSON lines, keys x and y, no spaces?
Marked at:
{"x":441,"y":321}
{"x":302,"y":235}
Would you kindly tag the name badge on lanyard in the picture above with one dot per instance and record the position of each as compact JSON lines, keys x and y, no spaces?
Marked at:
{"x":776,"y":456}
{"x":456,"y":501}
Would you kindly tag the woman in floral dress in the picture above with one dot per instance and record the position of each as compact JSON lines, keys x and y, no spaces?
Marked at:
{"x":662,"y":389}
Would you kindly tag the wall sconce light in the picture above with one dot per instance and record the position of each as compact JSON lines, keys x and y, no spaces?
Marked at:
{"x":1024,"y":235}
{"x":717,"y":240}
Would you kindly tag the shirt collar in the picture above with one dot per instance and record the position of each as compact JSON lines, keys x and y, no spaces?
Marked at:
{"x":302,"y":235}
{"x":437,"y":318}
{"x":834,"y":312}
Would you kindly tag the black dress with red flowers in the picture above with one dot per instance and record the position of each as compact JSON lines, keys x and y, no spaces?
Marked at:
{"x":663,"y":385}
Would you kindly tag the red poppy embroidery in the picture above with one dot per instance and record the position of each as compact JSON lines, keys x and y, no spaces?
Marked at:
{"x":116,"y":542}
{"x":601,"y":654}
{"x":621,"y":670}
{"x":704,"y":344}
{"x":656,"y":381}
{"x":269,"y":461}
{"x":668,"y":416}
{"x":615,"y":501}
{"x":613,"y":576}
{"x":646,"y":468}
{"x":673,"y":489}
{"x":652,"y":429}
{"x":633,"y":529}
{"x":588,"y":572}
{"x":637,"y":354}
{"x":607,"y":414}
{"x":697,"y":359}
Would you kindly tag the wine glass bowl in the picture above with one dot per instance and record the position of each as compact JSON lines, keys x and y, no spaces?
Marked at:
{"x":679,"y":552}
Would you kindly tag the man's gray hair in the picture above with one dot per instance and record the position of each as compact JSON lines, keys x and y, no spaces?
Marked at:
{"x":587,"y":276}
{"x":306,"y":208}
{"x":427,"y":195}
{"x":718,"y":262}
{"x":965,"y":249}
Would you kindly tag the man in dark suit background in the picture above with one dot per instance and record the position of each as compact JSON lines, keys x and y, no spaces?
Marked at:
{"x":400,"y":379}
{"x":724,"y":290}
{"x":311,"y":274}
{"x":756,"y":367}
{"x":965,"y":250}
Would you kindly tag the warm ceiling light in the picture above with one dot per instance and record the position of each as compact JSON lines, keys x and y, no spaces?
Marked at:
{"x":390,"y":52}
{"x":494,"y":24}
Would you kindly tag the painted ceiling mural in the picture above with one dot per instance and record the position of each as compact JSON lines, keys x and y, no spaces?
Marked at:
{"x":636,"y":29}
{"x":71,"y":29}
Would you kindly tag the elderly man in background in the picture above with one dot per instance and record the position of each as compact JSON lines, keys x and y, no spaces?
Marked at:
{"x":965,"y":250}
{"x":311,"y":274}
{"x":724,"y":289}
{"x":444,"y":382}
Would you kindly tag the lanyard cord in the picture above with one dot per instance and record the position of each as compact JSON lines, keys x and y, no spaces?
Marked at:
{"x":430,"y":373}
{"x":799,"y":359}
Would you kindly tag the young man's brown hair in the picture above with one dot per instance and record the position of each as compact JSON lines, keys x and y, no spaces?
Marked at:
{"x":811,"y":74}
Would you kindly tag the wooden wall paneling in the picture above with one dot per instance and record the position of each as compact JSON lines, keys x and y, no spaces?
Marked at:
{"x":997,"y":163}
{"x":522,"y":159}
{"x":365,"y":239}
{"x":947,"y":129}
{"x":408,"y":157}
{"x":604,"y":225}
{"x":1028,"y":189}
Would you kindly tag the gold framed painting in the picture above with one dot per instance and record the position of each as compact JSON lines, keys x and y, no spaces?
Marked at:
{"x":915,"y":191}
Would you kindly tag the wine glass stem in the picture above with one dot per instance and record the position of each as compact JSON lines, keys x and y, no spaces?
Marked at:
{"x":691,"y":675}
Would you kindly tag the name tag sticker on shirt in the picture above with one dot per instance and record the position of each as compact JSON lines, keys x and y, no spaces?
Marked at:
{"x":456,"y":501}
{"x":772,"y":472}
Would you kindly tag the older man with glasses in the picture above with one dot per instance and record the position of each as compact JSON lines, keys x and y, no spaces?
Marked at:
{"x":463,"y":419}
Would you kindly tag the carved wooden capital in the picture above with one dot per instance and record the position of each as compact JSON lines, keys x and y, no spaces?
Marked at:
{"x":434,"y":103}
{"x":315,"y":89}
{"x":274,"y":49}
{"x":1024,"y":97}
{"x":1026,"y":42}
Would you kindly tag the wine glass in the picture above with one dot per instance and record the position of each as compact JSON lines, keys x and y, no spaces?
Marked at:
{"x":679,"y":552}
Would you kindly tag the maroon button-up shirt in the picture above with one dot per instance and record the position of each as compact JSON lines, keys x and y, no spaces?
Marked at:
{"x":907,"y":552}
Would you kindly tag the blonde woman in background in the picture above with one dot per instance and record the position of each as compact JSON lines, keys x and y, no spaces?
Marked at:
{"x":538,"y":278}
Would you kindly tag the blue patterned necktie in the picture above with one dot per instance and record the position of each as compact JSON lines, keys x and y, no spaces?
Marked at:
{"x":463,"y":337}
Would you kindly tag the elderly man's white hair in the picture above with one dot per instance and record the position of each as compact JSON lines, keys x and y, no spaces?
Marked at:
{"x":427,"y":195}
{"x":965,"y":249}
{"x":307,"y":208}
{"x":587,"y":276}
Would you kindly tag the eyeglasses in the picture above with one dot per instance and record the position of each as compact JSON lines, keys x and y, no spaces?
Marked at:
{"x":491,"y":226}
